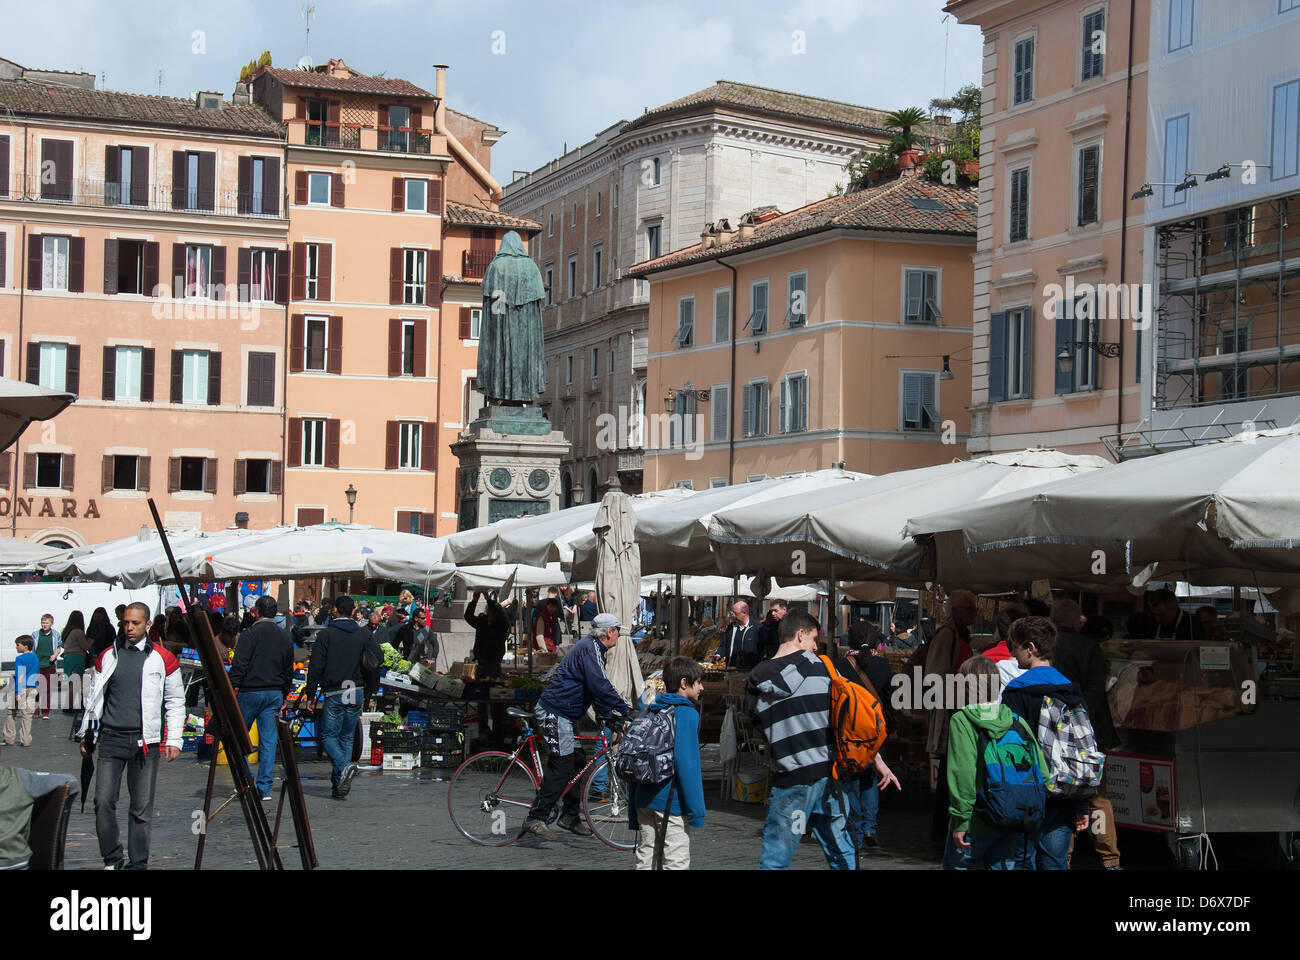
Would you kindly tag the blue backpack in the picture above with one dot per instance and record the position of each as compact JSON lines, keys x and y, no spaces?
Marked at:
{"x":1010,"y":794}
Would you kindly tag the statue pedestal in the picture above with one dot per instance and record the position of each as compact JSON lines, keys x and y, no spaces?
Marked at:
{"x":509,"y":466}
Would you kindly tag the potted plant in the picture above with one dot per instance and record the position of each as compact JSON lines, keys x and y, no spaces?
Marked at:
{"x":868,"y":167}
{"x":904,"y":121}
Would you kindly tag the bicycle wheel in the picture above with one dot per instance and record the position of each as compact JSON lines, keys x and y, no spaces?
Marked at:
{"x":608,"y":818}
{"x":489,"y":796}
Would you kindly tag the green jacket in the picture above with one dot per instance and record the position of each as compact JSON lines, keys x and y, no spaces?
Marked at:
{"x":963,"y":760}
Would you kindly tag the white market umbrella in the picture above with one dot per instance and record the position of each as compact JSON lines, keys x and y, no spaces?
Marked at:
{"x":697,"y":585}
{"x":24,"y":555}
{"x":1222,"y":513}
{"x":496,"y":576}
{"x":856,"y":529}
{"x":22,"y":403}
{"x":618,"y":587}
{"x":130,"y":561}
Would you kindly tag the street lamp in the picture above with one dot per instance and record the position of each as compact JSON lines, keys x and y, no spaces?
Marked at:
{"x":1065,"y":359}
{"x":351,"y":494}
{"x":946,"y":373}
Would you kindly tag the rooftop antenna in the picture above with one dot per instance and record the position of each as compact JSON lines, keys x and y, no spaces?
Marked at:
{"x":307,"y":13}
{"x":160,"y":82}
{"x":946,"y":28}
{"x":103,"y":80}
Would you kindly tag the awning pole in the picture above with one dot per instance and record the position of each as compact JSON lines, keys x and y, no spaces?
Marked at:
{"x":675,"y":612}
{"x":832,"y":618}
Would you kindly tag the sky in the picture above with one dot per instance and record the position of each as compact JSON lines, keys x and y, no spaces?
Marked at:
{"x":547,"y":72}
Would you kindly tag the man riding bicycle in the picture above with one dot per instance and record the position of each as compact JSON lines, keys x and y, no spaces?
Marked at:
{"x":579,"y":682}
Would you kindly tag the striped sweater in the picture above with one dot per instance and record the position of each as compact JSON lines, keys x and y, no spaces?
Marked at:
{"x":791,"y":702}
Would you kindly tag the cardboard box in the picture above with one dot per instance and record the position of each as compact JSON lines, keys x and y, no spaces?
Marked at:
{"x":462,"y":670}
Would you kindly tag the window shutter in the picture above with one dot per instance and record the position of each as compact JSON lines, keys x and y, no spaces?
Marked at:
{"x":403,"y":521}
{"x":334,"y":355}
{"x":244,"y":201}
{"x":429,"y":524}
{"x":178,"y":269}
{"x":277,"y":478}
{"x":998,"y":356}
{"x":33,"y":362}
{"x":4,"y":166}
{"x":35,"y":249}
{"x":207,"y":181}
{"x":271,"y":185}
{"x":383,"y":116}
{"x":241,"y":477}
{"x":139,"y":176}
{"x":429,"y":446}
{"x":399,"y":194}
{"x":151,"y":270}
{"x":721,"y":409}
{"x":112,"y":174}
{"x":173,"y":474}
{"x":332,"y":443}
{"x":782,"y":407}
{"x":74,"y":369}
{"x":394,"y":275}
{"x":928,"y":401}
{"x":914,"y":296}
{"x":433,"y":294}
{"x":336,"y":191}
{"x":434,"y":196}
{"x":295,"y":441}
{"x":747,"y":421}
{"x":5,"y":481}
{"x":243,"y":274}
{"x":282,"y":267}
{"x":932,"y":296}
{"x":106,"y":474}
{"x":214,"y":378}
{"x":142,"y":473}
{"x":67,"y":473}
{"x":146,"y":374}
{"x":210,"y":476}
{"x":1064,"y":335}
{"x":3,"y":237}
{"x":76,"y":264}
{"x":302,"y":108}
{"x":1027,"y":353}
{"x":110,"y":373}
{"x":179,"y":173}
{"x":803,"y":404}
{"x":394,"y":347}
{"x":722,"y":316}
{"x":300,"y":188}
{"x":332,"y":111}
{"x":390,"y":444}
{"x":299,"y":271}
{"x":178,"y":376}
{"x":324,"y":270}
{"x":466,"y":326}
{"x":110,"y":266}
{"x":911,"y":400}
{"x":421,"y":334}
{"x":29,"y":470}
{"x":297,"y":342}
{"x":219,"y":272}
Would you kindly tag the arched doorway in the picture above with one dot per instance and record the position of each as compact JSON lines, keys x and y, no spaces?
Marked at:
{"x":592,"y":495}
{"x":566,"y":485}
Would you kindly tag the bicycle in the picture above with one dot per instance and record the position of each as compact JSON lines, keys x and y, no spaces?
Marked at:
{"x":490,"y":794}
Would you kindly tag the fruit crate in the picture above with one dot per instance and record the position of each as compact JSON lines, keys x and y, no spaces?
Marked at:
{"x":401,"y":740}
{"x":434,"y":742}
{"x":448,"y":717}
{"x":444,"y":759}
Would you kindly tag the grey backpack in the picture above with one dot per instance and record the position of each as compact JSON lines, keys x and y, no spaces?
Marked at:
{"x":645,"y":752}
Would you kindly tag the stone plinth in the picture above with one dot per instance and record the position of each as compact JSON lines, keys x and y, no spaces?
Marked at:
{"x":509,"y":466}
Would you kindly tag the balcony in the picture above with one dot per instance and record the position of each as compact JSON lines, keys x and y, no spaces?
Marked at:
{"x":156,"y":198}
{"x":474,"y":263}
{"x":404,"y":140}
{"x":351,"y":136}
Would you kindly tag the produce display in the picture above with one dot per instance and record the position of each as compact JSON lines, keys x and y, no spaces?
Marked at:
{"x":392,"y":656}
{"x":1172,"y":685}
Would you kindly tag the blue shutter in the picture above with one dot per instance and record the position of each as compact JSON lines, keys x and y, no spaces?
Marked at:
{"x":928,"y":403}
{"x":747,"y":421}
{"x":1064,"y":334}
{"x":783,"y":406}
{"x":721,"y":409}
{"x":911,"y":401}
{"x":998,"y":356}
{"x":915,"y":291}
{"x":1027,"y":353}
{"x":763,"y":409}
{"x":802,"y":422}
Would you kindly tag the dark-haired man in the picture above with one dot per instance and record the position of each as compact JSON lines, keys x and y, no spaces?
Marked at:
{"x":261,"y":675}
{"x":1173,"y":622}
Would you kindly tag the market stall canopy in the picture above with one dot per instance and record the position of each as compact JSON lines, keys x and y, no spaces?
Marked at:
{"x":21,"y":403}
{"x":24,"y":555}
{"x":719,"y":586}
{"x":129,"y":561}
{"x":674,"y":535}
{"x":1223,"y":513}
{"x":495,"y":576}
{"x":858,"y":527}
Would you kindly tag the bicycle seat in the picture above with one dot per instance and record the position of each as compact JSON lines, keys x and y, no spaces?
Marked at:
{"x":519,"y":712}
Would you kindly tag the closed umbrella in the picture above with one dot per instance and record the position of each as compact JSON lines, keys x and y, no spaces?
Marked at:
{"x":21,"y":403}
{"x":618,"y":587}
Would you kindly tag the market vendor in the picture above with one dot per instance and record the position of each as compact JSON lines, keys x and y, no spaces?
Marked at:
{"x":416,"y":639}
{"x":739,"y":645}
{"x":490,"y":631}
{"x":547,"y":623}
{"x":1175,"y":623}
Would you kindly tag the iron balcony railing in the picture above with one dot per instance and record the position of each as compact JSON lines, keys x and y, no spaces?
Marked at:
{"x":155,"y":197}
{"x":474,"y":263}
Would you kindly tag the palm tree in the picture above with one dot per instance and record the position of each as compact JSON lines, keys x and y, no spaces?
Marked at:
{"x":904,"y":120}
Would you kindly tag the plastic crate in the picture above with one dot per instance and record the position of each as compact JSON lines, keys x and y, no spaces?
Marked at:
{"x":435,"y":742}
{"x":445,"y":717}
{"x":478,"y":690}
{"x":442,"y":760}
{"x":400,"y":741}
{"x":401,"y":761}
{"x":417,"y":718}
{"x":376,"y":754}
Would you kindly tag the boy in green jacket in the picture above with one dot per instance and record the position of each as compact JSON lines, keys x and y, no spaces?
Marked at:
{"x":971,"y":839}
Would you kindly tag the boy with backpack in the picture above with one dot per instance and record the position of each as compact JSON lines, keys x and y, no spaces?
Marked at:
{"x":660,"y":756}
{"x":996,"y":776}
{"x":1047,"y":701}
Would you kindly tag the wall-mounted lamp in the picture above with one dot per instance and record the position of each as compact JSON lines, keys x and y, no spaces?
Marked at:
{"x":946,"y":373}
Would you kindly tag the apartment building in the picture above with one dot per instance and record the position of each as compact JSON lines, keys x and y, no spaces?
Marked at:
{"x":1059,"y":251}
{"x":126,"y":226}
{"x":640,"y":189}
{"x":837,"y":332}
{"x":1222,"y":239}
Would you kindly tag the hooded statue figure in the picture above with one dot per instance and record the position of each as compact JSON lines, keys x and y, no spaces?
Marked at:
{"x":511,"y":368}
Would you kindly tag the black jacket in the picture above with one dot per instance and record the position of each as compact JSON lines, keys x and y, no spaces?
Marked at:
{"x":336,"y":657}
{"x":410,"y":650}
{"x":263,"y":659}
{"x":1080,"y":659}
{"x":1026,"y":700}
{"x":734,"y":646}
{"x":489,"y":635}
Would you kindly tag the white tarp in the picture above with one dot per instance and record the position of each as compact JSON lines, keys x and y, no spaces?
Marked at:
{"x":130,"y":561}
{"x":696,"y":585}
{"x":23,"y":554}
{"x":22,"y":403}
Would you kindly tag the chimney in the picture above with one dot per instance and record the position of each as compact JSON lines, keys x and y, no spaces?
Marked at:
{"x":440,"y":91}
{"x":724,"y":232}
{"x":746,"y":228}
{"x":708,"y":237}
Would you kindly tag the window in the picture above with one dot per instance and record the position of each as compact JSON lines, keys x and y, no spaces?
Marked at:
{"x":919,"y":408}
{"x":568,"y":369}
{"x":1075,"y":327}
{"x":614,"y":196}
{"x":754,"y":421}
{"x":417,"y":196}
{"x":656,"y":171}
{"x":796,"y":288}
{"x":595,"y":362}
{"x":475,"y":322}
{"x":685,"y":321}
{"x":597,"y":255}
{"x":652,"y":242}
{"x":550,"y":225}
{"x":1238,"y":229}
{"x":1010,"y":355}
{"x":194,"y":373}
{"x":54,"y":263}
{"x":313,"y":443}
{"x":413,"y":287}
{"x":56,"y":169}
{"x":408,"y":445}
{"x":398,"y":116}
{"x":1180,"y":24}
{"x":198,"y":272}
{"x":1094,"y":43}
{"x":318,"y":188}
{"x":598,"y":203}
{"x":1176,"y":158}
{"x":124,"y":165}
{"x":1019,"y":226}
{"x":261,"y":275}
{"x":258,"y":166}
{"x":1089,"y":178}
{"x":313,"y":270}
{"x":261,"y":379}
{"x":126,"y":473}
{"x":191,"y":181}
{"x":1286,"y":129}
{"x":921,"y":296}
{"x":682,"y":424}
{"x":132,"y":256}
{"x":127,"y":366}
{"x":1284,"y":5}
{"x":721,"y":316}
{"x":573,"y":277}
{"x":715,"y":482}
{"x":1236,"y":379}
{"x":720,"y":404}
{"x":574,"y":221}
{"x":317,"y":113}
{"x":316,"y":341}
{"x":757,"y":321}
{"x":610,"y":354}
{"x":193,"y":473}
{"x":550,"y":278}
{"x":54,"y":366}
{"x":49,"y":470}
{"x":1023,"y":87}
{"x":257,"y":476}
{"x":794,"y":403}
{"x":408,"y":348}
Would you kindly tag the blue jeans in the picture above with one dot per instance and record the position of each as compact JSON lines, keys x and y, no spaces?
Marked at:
{"x":337,"y":730}
{"x":863,"y":797}
{"x":992,"y":851}
{"x":264,"y":707}
{"x":600,"y":779}
{"x":1049,"y":848}
{"x":819,"y":805}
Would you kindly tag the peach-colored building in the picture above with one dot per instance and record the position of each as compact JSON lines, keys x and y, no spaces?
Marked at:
{"x":839,"y":331}
{"x":1059,"y":233}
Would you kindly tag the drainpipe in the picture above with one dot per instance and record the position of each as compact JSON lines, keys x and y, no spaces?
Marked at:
{"x":1123,"y":233}
{"x":284,"y":365}
{"x":21,"y":350}
{"x":731,"y":388}
{"x":462,"y":154}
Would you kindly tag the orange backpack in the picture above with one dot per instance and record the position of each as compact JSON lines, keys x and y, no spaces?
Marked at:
{"x":857,"y":722}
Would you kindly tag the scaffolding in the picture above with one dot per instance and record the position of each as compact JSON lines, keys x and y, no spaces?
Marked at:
{"x":1228,"y":307}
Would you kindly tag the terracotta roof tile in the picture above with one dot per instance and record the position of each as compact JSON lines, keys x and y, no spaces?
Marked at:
{"x":358,"y":83}
{"x":462,"y":215}
{"x":911,"y":204}
{"x":781,"y":103}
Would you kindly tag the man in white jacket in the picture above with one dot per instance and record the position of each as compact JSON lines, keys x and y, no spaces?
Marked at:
{"x":133,"y":683}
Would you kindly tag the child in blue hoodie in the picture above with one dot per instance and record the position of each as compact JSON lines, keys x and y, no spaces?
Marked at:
{"x":681,"y":799}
